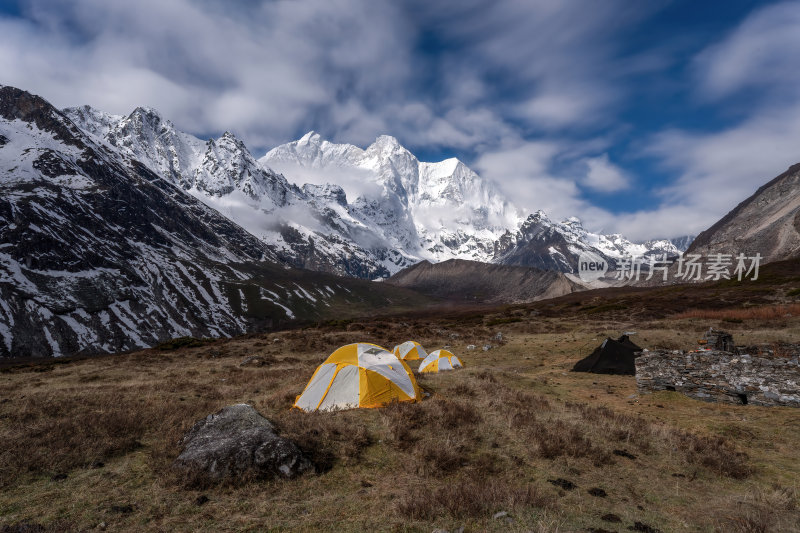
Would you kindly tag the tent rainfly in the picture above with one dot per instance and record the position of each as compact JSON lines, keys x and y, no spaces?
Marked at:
{"x":358,"y":375}
{"x":439,"y":361}
{"x":410,"y":351}
{"x":611,"y":357}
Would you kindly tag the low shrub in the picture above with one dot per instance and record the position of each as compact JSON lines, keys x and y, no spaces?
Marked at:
{"x":471,"y":498}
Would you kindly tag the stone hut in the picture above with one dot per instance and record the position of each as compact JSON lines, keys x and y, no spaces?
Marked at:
{"x":722,"y":376}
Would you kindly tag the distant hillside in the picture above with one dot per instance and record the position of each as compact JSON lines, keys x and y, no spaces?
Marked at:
{"x":471,"y":281}
{"x":767,"y":223}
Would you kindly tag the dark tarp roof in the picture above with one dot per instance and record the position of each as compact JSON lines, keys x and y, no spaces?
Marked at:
{"x":611,"y":357}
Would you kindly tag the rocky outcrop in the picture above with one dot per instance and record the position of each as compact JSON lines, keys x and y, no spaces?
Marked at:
{"x":718,"y":376}
{"x":237,"y":443}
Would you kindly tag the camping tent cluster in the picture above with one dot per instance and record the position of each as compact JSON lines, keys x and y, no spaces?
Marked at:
{"x":367,"y":375}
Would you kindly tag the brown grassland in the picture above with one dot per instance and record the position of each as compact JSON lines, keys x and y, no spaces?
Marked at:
{"x":88,"y":444}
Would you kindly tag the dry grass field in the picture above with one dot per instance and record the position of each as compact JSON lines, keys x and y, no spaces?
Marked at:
{"x":88,"y":444}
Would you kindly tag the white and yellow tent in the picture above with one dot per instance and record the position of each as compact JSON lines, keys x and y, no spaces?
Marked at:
{"x":359,"y":375}
{"x":439,"y":361}
{"x":410,"y":351}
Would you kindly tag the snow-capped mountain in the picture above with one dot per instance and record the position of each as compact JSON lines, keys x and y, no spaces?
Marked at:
{"x":683,"y":243}
{"x":100,"y":254}
{"x":542,"y":243}
{"x":361,"y":212}
{"x":310,"y":227}
{"x":433,"y":211}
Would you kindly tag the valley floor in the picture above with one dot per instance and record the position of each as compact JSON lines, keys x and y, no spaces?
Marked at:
{"x":87,"y":444}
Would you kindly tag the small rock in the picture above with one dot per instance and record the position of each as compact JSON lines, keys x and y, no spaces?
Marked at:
{"x":470,"y":346}
{"x":643,"y":528}
{"x":624,"y":453}
{"x":256,"y":360}
{"x":501,"y":514}
{"x":563,"y":483}
{"x":102,"y":526}
{"x":611,"y":517}
{"x":487,"y":347}
{"x":598,"y":492}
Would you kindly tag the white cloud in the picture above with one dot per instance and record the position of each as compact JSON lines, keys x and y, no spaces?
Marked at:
{"x":522,"y":172}
{"x":603,"y":175}
{"x":525,"y":85}
{"x":761,"y":52}
{"x":207,"y":66}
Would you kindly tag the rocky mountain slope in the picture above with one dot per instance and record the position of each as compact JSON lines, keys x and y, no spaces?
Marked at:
{"x":768,"y":222}
{"x":98,"y":253}
{"x":463,"y":281}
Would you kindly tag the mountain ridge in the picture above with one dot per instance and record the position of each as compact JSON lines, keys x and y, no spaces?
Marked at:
{"x":474,"y":282}
{"x":386,"y":211}
{"x":100,"y":254}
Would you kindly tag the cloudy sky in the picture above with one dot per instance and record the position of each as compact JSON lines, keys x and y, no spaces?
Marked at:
{"x":650,"y":118}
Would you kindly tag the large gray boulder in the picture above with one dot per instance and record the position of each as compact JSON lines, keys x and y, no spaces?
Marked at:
{"x":238,"y":443}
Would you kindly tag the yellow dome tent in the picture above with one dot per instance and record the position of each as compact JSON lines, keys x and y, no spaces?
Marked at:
{"x":359,"y":375}
{"x":439,"y":361}
{"x":410,"y":351}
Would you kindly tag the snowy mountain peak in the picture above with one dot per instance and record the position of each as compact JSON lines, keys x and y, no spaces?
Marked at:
{"x":91,"y":120}
{"x":150,"y":117}
{"x":435,"y":211}
{"x":387,"y":142}
{"x":312,"y":137}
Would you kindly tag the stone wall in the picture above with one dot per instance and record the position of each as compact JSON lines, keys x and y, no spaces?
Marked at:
{"x":721,"y":376}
